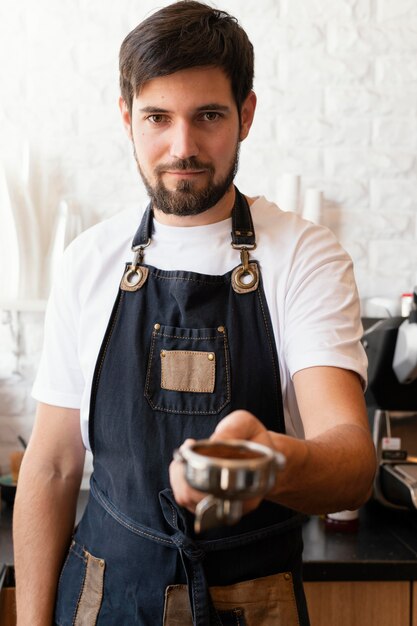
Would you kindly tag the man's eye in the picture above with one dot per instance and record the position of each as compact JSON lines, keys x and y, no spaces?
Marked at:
{"x":211,"y":116}
{"x":156,"y":118}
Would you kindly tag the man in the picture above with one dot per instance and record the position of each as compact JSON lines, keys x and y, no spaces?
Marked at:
{"x":233,"y":320}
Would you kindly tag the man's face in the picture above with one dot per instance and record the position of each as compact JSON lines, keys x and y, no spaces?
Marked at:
{"x":186,"y":132}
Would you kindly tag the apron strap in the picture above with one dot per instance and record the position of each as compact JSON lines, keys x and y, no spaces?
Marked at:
{"x":243,"y":233}
{"x":143,"y":234}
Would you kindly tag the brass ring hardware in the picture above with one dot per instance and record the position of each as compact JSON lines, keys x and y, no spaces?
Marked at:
{"x":247,"y":270}
{"x":133,"y":276}
{"x":240,"y":273}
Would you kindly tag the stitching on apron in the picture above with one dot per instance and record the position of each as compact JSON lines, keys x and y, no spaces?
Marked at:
{"x":183,"y":412}
{"x":97,"y":371}
{"x":189,"y":338}
{"x":74,"y":615}
{"x":150,"y":360}
{"x":133,"y":529}
{"x":70,"y":551}
{"x":196,"y":586}
{"x":237,"y":614}
{"x":99,"y":599}
{"x":191,"y":280}
{"x":271,"y":349}
{"x":246,"y":538}
{"x":207,"y":546}
{"x":109,"y":334}
{"x":226,"y":360}
{"x":294,"y":600}
{"x":160,"y":408}
{"x":174,"y":516}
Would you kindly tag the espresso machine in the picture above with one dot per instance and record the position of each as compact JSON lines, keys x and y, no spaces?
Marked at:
{"x":391,"y":397}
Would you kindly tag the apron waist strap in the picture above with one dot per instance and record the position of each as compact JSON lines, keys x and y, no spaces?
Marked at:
{"x":202,"y":608}
{"x":192,"y":552}
{"x":131,"y":525}
{"x":171,"y":513}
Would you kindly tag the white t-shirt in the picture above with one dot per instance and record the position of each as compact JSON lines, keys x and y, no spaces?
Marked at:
{"x":308,"y":281}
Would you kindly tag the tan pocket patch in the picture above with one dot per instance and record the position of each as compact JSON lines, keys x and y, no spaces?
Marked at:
{"x":92,"y":592}
{"x":177,"y":611}
{"x":267,"y":601}
{"x":183,"y":370}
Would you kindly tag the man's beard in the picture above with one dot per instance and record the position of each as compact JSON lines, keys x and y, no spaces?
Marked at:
{"x":185,"y":199}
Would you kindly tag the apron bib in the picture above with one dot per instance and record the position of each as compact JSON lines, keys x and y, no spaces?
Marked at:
{"x":181,"y":351}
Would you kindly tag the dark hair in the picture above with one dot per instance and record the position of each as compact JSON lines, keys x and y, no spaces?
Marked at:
{"x":182,"y":35}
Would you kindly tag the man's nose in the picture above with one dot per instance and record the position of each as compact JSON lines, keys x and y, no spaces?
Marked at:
{"x":184,"y":141}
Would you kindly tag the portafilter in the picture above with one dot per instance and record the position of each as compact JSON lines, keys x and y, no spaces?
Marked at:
{"x":229,"y":472}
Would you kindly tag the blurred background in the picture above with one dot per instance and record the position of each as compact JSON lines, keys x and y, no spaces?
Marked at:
{"x":334,"y":138}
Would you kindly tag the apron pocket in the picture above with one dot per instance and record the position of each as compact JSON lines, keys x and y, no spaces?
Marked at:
{"x":177,"y":610}
{"x":267,"y":601}
{"x":80,"y":588}
{"x":188,"y":370}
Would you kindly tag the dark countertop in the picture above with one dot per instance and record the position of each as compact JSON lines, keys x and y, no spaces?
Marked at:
{"x":384,"y":548}
{"x":6,"y":546}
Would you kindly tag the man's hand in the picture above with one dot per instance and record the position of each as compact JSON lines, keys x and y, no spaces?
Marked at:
{"x":237,"y":425}
{"x":332,"y":469}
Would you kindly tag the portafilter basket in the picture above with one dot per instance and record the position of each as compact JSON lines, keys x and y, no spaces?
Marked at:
{"x":230,"y":472}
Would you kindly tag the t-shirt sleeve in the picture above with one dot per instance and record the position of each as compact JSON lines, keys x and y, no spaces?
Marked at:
{"x":59,"y":380}
{"x":322,"y":309}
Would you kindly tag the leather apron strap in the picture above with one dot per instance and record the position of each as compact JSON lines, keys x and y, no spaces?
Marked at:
{"x":243,"y":233}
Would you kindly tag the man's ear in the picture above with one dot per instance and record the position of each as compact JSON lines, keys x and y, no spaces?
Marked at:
{"x":126,"y":117}
{"x":247,"y":114}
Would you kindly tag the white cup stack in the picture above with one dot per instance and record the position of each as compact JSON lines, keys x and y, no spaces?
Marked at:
{"x":313,"y":202}
{"x":289,"y":193}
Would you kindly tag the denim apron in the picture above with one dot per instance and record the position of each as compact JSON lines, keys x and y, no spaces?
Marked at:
{"x":181,"y":351}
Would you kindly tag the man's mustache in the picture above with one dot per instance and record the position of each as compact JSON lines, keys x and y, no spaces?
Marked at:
{"x":184,"y":164}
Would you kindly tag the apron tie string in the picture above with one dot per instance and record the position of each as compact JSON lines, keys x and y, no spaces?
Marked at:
{"x":202,"y":608}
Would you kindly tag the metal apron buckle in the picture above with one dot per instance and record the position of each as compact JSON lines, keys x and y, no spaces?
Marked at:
{"x":135,"y":276}
{"x":245,"y":278}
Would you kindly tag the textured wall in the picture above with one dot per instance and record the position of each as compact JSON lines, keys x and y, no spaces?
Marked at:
{"x":337,"y":103}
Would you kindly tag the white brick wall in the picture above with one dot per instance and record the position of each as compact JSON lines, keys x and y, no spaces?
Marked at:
{"x":337,"y":103}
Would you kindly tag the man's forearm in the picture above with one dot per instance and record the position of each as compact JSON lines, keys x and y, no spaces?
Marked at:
{"x":331,"y":472}
{"x":44,"y":516}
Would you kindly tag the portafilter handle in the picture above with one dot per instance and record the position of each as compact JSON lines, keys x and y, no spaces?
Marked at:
{"x":212,"y":512}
